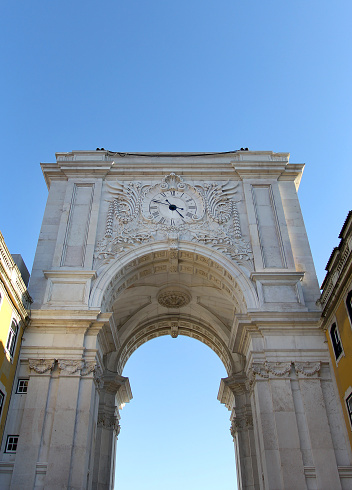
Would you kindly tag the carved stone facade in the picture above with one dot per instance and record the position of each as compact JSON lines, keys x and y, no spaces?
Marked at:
{"x":132,"y":219}
{"x":211,"y":246}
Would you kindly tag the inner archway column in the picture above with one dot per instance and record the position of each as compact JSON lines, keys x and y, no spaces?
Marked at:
{"x":114,"y":392}
{"x":234,"y":394}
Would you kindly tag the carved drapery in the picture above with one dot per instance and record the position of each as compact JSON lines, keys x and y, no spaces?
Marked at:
{"x":281,"y":369}
{"x":41,"y":366}
{"x":67,"y":367}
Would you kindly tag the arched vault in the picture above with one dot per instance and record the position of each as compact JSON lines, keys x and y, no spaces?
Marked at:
{"x":188,"y":291}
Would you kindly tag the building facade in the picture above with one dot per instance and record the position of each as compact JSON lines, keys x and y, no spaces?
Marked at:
{"x":208,"y":245}
{"x":336,"y":301}
{"x":14,"y":317}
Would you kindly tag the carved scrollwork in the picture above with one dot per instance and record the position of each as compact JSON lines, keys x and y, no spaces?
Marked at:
{"x":267,"y":369}
{"x":216,"y":223}
{"x":98,"y":378}
{"x":218,"y":198}
{"x":41,"y":366}
{"x":126,"y":201}
{"x":307,"y":368}
{"x":234,"y":427}
{"x":172,"y":182}
{"x":260,"y":369}
{"x":278,"y":368}
{"x":109,"y":422}
{"x":173,"y":298}
{"x":70,"y":366}
{"x":242,"y":422}
{"x":88,"y":367}
{"x":174,"y":330}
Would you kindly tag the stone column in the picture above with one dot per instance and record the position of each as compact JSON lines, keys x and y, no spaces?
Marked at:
{"x":276,"y":432}
{"x":318,"y":427}
{"x":25,"y":466}
{"x":235,"y":395}
{"x":114,"y":392}
{"x":297,"y":424}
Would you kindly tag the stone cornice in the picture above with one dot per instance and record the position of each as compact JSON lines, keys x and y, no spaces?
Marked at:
{"x":277,"y":276}
{"x":70,"y":273}
{"x":64,"y":319}
{"x":282,"y":318}
{"x":256,"y":324}
{"x":105,"y":164}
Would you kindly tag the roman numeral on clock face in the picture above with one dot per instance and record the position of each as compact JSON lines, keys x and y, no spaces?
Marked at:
{"x":189,"y":215}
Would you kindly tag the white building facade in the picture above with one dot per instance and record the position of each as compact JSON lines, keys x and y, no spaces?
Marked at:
{"x":212,"y":246}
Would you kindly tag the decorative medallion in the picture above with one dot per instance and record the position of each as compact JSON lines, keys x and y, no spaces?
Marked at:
{"x":173,"y":298}
{"x":173,"y":203}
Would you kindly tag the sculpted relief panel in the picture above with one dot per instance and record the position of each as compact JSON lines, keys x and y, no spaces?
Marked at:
{"x":173,"y":210}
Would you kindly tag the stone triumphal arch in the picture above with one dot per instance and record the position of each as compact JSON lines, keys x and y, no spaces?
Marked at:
{"x":212,"y":246}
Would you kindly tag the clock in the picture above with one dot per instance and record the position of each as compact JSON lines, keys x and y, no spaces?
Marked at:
{"x":173,"y":207}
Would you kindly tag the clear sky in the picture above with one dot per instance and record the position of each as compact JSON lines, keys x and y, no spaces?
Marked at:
{"x":195,"y":75}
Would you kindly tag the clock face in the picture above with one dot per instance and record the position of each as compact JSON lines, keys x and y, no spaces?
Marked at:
{"x":173,"y":207}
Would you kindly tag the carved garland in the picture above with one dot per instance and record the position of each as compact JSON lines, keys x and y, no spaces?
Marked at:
{"x":281,"y":369}
{"x":66,"y":366}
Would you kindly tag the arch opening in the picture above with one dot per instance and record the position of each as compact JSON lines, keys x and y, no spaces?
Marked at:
{"x":175,"y":431}
{"x":176,"y":292}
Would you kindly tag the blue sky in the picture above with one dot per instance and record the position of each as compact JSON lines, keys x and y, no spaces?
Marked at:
{"x":176,"y":76}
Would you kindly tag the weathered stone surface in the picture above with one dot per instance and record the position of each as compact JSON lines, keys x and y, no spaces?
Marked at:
{"x":208,"y":246}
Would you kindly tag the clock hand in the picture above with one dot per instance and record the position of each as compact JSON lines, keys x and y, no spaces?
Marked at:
{"x":159,"y":202}
{"x":179,"y":214}
{"x":173,"y":207}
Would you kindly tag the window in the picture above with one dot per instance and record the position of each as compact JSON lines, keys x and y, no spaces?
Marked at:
{"x":11,"y":444}
{"x":349,"y":305}
{"x":12,"y":337}
{"x":22,"y":386}
{"x":336,"y":341}
{"x":2,"y":399}
{"x":349,"y":407}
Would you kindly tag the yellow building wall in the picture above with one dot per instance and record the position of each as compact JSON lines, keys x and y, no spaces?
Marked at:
{"x":343,"y":369}
{"x":7,"y":365}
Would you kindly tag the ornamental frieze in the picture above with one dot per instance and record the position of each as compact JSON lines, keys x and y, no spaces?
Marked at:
{"x":267,"y":370}
{"x":41,"y":366}
{"x":173,"y":210}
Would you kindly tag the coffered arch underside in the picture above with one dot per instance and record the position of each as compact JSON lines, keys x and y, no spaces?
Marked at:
{"x":209,"y":291}
{"x":187,"y":258}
